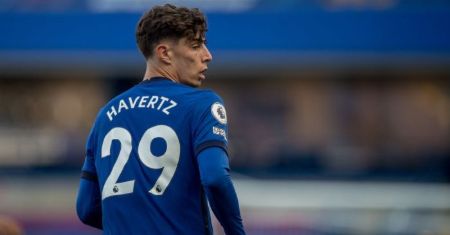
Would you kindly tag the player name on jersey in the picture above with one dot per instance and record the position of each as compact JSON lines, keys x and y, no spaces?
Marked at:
{"x":160,"y":103}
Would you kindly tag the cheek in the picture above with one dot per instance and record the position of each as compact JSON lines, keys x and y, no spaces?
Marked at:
{"x":193,"y":57}
{"x":188,"y":61}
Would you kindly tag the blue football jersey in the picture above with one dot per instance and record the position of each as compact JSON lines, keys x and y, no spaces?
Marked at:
{"x":142,"y":149}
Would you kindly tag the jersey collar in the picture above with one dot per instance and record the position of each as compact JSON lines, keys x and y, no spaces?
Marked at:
{"x":155,"y":79}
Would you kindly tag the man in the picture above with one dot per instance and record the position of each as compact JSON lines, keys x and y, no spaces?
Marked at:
{"x":158,"y":150}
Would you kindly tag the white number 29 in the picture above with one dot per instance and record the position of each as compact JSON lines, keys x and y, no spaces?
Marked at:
{"x":168,"y":160}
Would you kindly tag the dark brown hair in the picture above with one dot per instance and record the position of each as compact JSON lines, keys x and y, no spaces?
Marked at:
{"x":168,"y":22}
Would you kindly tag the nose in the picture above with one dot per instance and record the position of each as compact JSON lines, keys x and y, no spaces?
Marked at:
{"x":207,"y":57}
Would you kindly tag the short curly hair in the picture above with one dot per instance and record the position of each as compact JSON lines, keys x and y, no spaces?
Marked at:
{"x":168,"y":22}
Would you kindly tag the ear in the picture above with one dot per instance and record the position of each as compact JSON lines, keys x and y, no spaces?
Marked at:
{"x":164,"y":53}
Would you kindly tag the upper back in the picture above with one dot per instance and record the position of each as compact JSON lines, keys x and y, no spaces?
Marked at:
{"x":145,"y":142}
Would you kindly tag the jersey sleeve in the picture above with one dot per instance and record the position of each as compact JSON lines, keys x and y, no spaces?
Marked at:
{"x":88,"y":170}
{"x":210,"y":124}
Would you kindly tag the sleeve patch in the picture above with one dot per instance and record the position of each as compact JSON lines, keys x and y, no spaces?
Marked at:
{"x":219,"y":113}
{"x":220,"y":131}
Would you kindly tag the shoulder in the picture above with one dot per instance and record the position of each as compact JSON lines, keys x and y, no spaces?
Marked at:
{"x":115,"y":101}
{"x":209,"y":103}
{"x":208,"y":97}
{"x":211,"y":94}
{"x":101,"y":119}
{"x":196,"y":98}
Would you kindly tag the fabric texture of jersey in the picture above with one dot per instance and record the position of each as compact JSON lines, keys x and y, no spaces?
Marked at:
{"x":142,"y":151}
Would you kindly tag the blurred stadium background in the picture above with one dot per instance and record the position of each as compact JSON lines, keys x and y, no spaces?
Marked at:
{"x":339,"y":110}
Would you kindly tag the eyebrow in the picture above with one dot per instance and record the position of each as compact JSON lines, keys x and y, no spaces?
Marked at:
{"x":198,"y":40}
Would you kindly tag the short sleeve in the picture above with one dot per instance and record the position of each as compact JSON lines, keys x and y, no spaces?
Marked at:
{"x":210,"y":124}
{"x":88,"y":170}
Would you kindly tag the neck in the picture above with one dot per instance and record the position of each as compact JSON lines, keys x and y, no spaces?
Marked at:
{"x":153,"y":71}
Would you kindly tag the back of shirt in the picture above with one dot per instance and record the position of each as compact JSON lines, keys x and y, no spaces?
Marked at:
{"x":142,"y":149}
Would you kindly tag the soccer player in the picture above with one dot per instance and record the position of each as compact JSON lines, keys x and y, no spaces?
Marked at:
{"x":157,"y":152}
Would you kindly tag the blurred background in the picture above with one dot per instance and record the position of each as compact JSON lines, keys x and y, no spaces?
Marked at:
{"x":339,"y":110}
